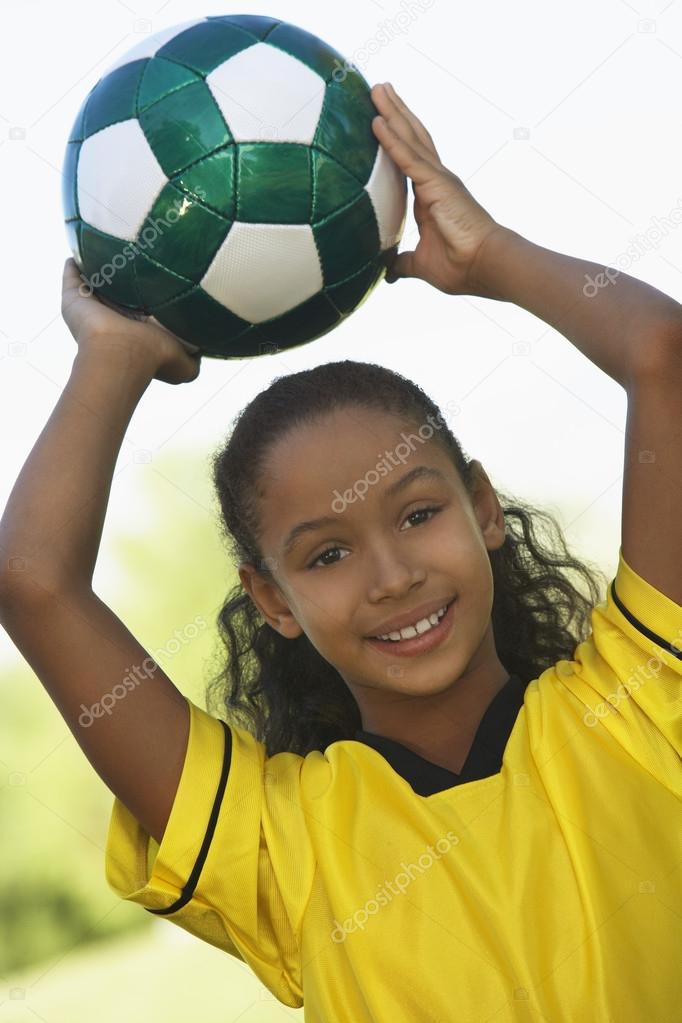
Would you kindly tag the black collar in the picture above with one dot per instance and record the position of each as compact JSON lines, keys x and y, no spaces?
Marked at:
{"x":485,"y":755}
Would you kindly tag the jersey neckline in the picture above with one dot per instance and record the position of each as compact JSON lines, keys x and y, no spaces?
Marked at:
{"x":483,"y":760}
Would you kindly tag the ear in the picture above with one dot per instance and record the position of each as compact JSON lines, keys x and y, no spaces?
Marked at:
{"x":488,"y":509}
{"x":268,"y":597}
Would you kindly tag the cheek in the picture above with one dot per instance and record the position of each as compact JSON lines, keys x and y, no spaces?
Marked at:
{"x":459,"y":545}
{"x":465,"y":559}
{"x":323,"y":608}
{"x":481,"y":584}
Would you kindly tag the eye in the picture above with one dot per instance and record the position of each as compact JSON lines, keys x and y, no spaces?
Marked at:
{"x":330,"y":550}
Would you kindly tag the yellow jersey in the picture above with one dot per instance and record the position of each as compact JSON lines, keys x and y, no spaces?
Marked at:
{"x":370,"y":886}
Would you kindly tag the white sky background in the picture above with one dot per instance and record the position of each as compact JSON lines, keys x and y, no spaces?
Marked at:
{"x":562,"y":120}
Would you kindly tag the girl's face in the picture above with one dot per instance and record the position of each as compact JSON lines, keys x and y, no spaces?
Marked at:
{"x":381,"y":555}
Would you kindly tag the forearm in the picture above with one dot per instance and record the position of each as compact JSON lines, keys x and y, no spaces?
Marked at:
{"x":616,"y":323}
{"x":51,"y":529}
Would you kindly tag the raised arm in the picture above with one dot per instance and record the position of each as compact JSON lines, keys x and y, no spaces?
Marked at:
{"x":631,"y":331}
{"x":129,"y":719}
{"x":634,"y":333}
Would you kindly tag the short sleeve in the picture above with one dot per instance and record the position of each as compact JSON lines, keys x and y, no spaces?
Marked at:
{"x":235,"y":866}
{"x":628,"y":672}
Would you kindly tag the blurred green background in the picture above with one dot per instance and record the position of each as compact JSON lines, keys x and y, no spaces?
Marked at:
{"x":70,"y":950}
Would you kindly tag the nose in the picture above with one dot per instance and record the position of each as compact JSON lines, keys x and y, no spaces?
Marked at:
{"x":392,"y":575}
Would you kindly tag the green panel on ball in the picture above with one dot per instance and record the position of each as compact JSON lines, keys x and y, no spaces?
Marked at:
{"x":203,"y":47}
{"x":77,"y":133}
{"x":353,"y":292}
{"x":333,"y":186}
{"x":156,"y":285}
{"x":69,"y":195}
{"x":256,"y":24}
{"x":199,"y":319}
{"x":183,"y":127}
{"x":345,"y":128}
{"x":114,"y":98}
{"x":308,"y":320}
{"x":212,"y":181}
{"x":355,"y":84}
{"x":160,"y":79}
{"x":347,"y":240}
{"x":108,"y":266}
{"x":274,"y":183}
{"x":313,"y":52}
{"x":181,"y":234}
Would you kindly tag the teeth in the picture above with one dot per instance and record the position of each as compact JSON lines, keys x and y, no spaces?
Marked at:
{"x":410,"y":631}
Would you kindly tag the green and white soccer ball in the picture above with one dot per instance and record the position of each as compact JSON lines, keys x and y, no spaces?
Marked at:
{"x":223,"y":177}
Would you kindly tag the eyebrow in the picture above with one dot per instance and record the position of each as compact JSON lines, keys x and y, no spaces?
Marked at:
{"x":303,"y":528}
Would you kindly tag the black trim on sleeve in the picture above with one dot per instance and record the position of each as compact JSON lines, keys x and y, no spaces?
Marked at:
{"x":668,"y":647}
{"x":188,"y":890}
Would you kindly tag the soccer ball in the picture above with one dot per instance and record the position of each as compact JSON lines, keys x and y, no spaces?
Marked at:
{"x":223,"y":178}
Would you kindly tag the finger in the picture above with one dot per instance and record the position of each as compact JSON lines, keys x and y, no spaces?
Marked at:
{"x":73,"y":281}
{"x":402,"y":266}
{"x":416,"y":124}
{"x":192,"y":349}
{"x":184,"y":371}
{"x":405,"y":156}
{"x":70,"y":276}
{"x":394,"y":103}
{"x":395,"y":117}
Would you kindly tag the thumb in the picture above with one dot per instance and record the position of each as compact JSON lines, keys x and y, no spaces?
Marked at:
{"x":402,"y":266}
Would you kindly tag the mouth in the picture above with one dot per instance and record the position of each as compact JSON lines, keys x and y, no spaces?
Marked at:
{"x":420,"y":643}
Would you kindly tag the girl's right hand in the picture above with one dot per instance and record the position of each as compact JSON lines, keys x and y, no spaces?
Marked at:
{"x":96,"y":324}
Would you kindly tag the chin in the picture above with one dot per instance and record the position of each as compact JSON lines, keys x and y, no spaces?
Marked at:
{"x":401,"y":678}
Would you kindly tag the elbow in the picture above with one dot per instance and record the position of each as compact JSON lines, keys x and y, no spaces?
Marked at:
{"x":19,"y":588}
{"x":16,"y":592}
{"x":660,"y":356}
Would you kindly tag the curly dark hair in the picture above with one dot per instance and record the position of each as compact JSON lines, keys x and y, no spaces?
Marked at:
{"x":282,"y":690}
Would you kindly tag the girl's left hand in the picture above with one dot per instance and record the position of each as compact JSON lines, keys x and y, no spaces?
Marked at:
{"x":452,"y":225}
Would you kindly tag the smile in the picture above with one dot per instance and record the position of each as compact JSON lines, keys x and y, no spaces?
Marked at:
{"x":417,"y":628}
{"x":415,"y":640}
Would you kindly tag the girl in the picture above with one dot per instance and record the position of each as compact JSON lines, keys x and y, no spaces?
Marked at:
{"x":445,"y":785}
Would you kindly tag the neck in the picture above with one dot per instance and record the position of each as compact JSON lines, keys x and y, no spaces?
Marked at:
{"x":442,"y":729}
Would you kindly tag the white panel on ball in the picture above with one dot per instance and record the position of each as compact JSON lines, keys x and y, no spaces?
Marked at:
{"x":150,"y":44}
{"x":285,"y":97}
{"x":387,"y":190}
{"x":263,"y":270}
{"x":118,"y":179}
